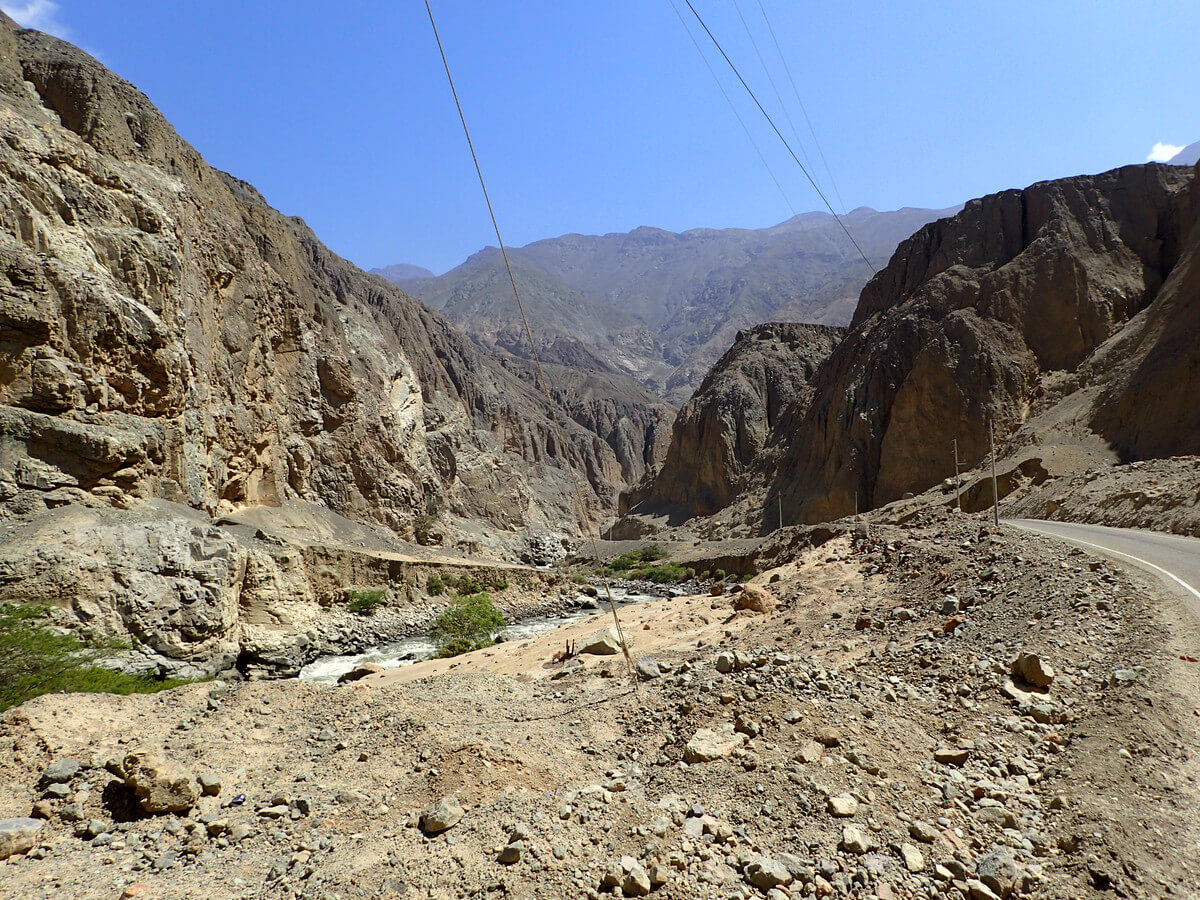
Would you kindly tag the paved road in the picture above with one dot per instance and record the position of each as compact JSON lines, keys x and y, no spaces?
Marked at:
{"x":1173,"y":558}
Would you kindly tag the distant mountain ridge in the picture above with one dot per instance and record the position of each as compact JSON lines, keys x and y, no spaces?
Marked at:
{"x":661,"y":306}
{"x":402,"y":272}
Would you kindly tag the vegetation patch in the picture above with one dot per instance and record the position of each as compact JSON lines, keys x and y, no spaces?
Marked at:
{"x":468,"y":623}
{"x":669,"y":573}
{"x":434,"y":585}
{"x":36,"y":660}
{"x":365,"y":602}
{"x":465,"y":585}
{"x":644,"y":564}
{"x":639,"y":558}
{"x":425,"y":529}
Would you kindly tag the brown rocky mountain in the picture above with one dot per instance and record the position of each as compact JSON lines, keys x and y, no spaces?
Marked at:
{"x":402,"y":272}
{"x":169,"y":335}
{"x":1063,"y":312}
{"x":662,"y":306}
{"x":570,"y":328}
{"x":719,"y":433}
{"x":632,"y":422}
{"x":192,"y":388}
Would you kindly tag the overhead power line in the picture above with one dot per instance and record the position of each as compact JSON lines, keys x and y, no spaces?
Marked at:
{"x":779,"y":134}
{"x":771,"y":81}
{"x":796,"y":91}
{"x":733,"y":108}
{"x":584,"y":522}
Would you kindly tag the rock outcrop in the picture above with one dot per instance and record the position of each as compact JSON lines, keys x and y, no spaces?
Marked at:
{"x":719,"y":433}
{"x":265,"y":591}
{"x":970,"y":317}
{"x":631,"y":421}
{"x":1063,"y":314}
{"x":164,"y":333}
{"x":177,"y":359}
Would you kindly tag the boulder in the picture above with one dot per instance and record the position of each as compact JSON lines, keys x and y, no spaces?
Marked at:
{"x":444,"y":814}
{"x":843,"y":806}
{"x":605,"y":642}
{"x":18,"y":836}
{"x":636,"y":882}
{"x":914,"y":860}
{"x":765,"y":873}
{"x":160,"y":786}
{"x":754,"y":599}
{"x":1030,"y":668}
{"x":856,"y":839}
{"x":648,"y":669}
{"x":59,"y":772}
{"x":359,"y":672}
{"x":708,"y":744}
{"x":952,"y":756}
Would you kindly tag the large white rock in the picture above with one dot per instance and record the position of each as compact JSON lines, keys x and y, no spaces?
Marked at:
{"x":160,"y":786}
{"x":708,"y":744}
{"x":604,"y":642}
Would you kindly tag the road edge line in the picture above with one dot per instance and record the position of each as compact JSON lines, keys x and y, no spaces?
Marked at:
{"x":1183,"y":584}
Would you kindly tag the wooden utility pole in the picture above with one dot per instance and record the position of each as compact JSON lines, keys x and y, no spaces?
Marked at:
{"x":995,"y":493}
{"x":957,"y":482}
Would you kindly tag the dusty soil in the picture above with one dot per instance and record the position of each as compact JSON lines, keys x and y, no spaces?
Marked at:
{"x":860,"y":692}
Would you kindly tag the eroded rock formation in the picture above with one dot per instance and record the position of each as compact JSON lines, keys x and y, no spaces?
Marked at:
{"x":165,"y":333}
{"x":1063,"y":312}
{"x":961,"y":326}
{"x":719,"y":433}
{"x":175,"y":354}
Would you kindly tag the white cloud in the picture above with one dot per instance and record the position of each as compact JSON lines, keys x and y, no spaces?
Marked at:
{"x":39,"y":14}
{"x":1163,"y":152}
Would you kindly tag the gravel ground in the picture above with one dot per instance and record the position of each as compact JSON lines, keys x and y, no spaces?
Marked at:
{"x":857,"y":731}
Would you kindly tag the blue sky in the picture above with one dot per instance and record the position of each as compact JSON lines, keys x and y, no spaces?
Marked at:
{"x":598,"y":117}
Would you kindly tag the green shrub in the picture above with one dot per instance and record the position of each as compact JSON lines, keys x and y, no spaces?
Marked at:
{"x":464,"y":585}
{"x":365,"y":602}
{"x":664,"y":574}
{"x":36,"y":660}
{"x":468,"y":623}
{"x":434,"y":586}
{"x":648,"y":553}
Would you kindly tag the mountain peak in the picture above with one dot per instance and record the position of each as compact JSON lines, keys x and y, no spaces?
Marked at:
{"x":1188,"y":156}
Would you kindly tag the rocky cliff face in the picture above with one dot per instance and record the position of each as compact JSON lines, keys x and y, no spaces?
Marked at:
{"x":965,"y":320}
{"x":719,"y":433}
{"x":175,"y":356}
{"x":165,"y":333}
{"x":1063,"y":312}
{"x":631,"y":421}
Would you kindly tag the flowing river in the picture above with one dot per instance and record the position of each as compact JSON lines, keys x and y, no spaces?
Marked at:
{"x":407,"y":651}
